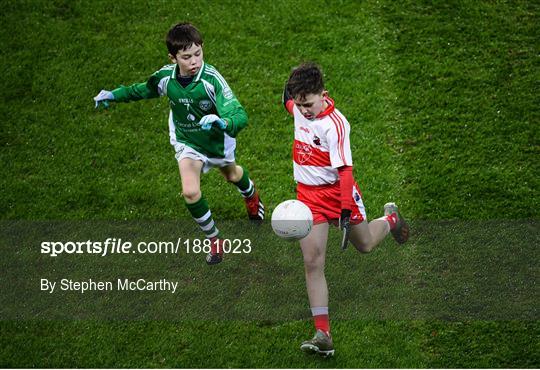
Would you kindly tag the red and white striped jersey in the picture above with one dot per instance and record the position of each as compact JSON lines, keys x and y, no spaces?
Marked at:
{"x":320,"y":146}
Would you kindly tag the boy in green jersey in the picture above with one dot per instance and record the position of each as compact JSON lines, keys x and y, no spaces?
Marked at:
{"x":204,"y":119}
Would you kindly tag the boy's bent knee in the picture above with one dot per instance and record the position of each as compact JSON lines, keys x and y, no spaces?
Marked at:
{"x":191,"y":196}
{"x":232,"y":177}
{"x":233,"y":174}
{"x":364,"y":247}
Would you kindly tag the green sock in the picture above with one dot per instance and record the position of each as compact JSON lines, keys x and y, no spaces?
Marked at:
{"x":202,"y":215}
{"x":245,"y":185}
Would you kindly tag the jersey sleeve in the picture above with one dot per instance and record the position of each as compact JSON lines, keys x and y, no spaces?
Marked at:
{"x":346,"y":182}
{"x":152,"y":88}
{"x":228,"y":106}
{"x":287,"y":100}
{"x":338,"y":141}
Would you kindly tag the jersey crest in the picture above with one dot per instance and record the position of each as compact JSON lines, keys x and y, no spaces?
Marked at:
{"x":205,"y":105}
{"x":303,"y":152}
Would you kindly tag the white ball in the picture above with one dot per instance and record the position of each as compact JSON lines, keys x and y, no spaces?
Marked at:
{"x":292,"y":220}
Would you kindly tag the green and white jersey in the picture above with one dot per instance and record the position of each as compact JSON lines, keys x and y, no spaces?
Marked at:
{"x":208,"y":93}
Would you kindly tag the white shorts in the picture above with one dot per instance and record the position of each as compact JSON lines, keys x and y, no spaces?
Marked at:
{"x":185,"y":151}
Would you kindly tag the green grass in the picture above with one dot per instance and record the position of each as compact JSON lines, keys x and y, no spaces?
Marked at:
{"x":248,"y":345}
{"x":465,"y":77}
{"x":443,"y":102}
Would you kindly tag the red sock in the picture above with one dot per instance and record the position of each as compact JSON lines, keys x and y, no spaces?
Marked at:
{"x":392,"y":220}
{"x":322,"y":322}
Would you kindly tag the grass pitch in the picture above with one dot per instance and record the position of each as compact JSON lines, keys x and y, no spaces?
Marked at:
{"x":443,"y":104}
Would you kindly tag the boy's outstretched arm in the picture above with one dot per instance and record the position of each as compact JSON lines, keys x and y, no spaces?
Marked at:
{"x":144,"y":90}
{"x":135,"y":92}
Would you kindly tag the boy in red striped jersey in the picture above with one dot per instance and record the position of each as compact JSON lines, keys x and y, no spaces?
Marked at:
{"x":323,"y":170}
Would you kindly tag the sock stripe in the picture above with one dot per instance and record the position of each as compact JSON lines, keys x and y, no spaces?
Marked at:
{"x":213,"y":234}
{"x":249,"y":191}
{"x":202,"y":215}
{"x":203,"y":218}
{"x":316,"y":311}
{"x":392,"y":220}
{"x":205,"y":223}
{"x":208,"y":227}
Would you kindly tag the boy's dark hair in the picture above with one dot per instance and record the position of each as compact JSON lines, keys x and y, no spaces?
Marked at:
{"x":305,"y":79}
{"x":182,"y":36}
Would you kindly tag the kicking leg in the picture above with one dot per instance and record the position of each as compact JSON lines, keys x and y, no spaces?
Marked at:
{"x":366,"y":236}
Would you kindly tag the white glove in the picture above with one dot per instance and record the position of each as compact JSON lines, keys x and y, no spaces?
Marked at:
{"x":207,"y":121}
{"x":103,"y":97}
